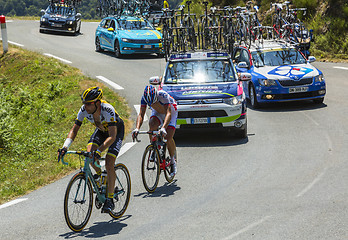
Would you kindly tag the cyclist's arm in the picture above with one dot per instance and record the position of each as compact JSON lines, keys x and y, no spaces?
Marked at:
{"x":140,"y":117}
{"x":73,"y":132}
{"x":112,"y":130}
{"x":168,"y":115}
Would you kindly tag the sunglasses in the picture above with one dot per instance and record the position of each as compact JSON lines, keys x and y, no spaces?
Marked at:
{"x":88,"y":103}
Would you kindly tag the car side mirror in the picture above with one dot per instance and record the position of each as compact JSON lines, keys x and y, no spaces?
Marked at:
{"x":155,"y":80}
{"x":42,"y":11}
{"x":245,"y":76}
{"x":311,"y":59}
{"x":158,"y":29}
{"x":242,"y":65}
{"x":110,"y":29}
{"x":78,"y":15}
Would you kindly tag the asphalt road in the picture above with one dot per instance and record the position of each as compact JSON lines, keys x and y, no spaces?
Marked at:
{"x":287,"y":180}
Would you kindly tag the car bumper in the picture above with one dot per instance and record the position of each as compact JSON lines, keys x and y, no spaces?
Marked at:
{"x":58,"y":27}
{"x":211,"y":116}
{"x":292,"y":93}
{"x":130,"y":48}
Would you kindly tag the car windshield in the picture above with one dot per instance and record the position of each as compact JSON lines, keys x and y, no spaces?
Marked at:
{"x":135,"y":25}
{"x":200,"y":71}
{"x":277,"y":57}
{"x":61,"y":10}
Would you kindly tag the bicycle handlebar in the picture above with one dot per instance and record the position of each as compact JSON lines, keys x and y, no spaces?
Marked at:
{"x":81,"y":153}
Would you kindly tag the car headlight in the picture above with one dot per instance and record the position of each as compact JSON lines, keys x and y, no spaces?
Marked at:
{"x":125,"y":40}
{"x":267,"y":82}
{"x":43,"y":19}
{"x":70,"y":22}
{"x":234,"y":100}
{"x":319,"y":78}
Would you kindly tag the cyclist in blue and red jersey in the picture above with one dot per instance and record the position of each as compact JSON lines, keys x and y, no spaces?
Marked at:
{"x":164,"y":113}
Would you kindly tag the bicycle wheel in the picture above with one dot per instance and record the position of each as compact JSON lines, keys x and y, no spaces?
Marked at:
{"x":122,"y":191}
{"x":78,"y":202}
{"x":167,"y":171}
{"x":150,"y":169}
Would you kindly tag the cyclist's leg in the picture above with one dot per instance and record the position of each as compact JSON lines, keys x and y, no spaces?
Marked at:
{"x":171,"y":131}
{"x":110,"y":159}
{"x":155,"y":121}
{"x":93,"y":143}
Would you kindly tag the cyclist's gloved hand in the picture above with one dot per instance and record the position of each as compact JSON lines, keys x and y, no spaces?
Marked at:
{"x":96,"y":154}
{"x":61,"y":153}
{"x":163,"y":132}
{"x":135,"y":133}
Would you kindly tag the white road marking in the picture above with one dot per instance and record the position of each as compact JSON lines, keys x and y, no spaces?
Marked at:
{"x":111,"y":83}
{"x":344,"y":68}
{"x":7,"y":21}
{"x":137,"y":109}
{"x":310,"y":118}
{"x":17,"y":44}
{"x":58,"y":58}
{"x":247,"y":228}
{"x":13,"y":202}
{"x":311,"y":184}
{"x":125,"y":148}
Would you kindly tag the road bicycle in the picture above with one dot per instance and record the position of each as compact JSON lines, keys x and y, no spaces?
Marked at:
{"x":154,"y":161}
{"x":78,"y":200}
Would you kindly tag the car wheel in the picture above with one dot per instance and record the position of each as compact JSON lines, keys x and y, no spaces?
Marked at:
{"x":78,"y":29}
{"x":117,"y":49}
{"x":318,"y":100}
{"x":252,"y":95}
{"x":242,"y":133}
{"x":97,"y":45}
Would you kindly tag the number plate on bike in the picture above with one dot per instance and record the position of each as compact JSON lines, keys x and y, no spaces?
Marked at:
{"x":200,"y":120}
{"x":298,"y":89}
{"x":147,"y":46}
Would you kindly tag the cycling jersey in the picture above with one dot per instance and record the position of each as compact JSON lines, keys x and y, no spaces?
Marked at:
{"x":164,"y":99}
{"x":108,"y":117}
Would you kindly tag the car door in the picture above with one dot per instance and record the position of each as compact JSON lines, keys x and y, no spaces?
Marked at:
{"x":110,"y":33}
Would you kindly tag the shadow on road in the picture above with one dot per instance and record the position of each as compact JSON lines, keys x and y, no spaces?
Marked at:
{"x":168,"y":189}
{"x":207,"y":138}
{"x":130,"y":56}
{"x":100,"y":229}
{"x":288,"y":106}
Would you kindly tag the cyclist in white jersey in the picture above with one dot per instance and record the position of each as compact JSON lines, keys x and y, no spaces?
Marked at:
{"x":108,"y":134}
{"x":164,"y":113}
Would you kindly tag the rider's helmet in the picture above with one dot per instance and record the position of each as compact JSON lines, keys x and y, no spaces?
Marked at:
{"x":92,"y":94}
{"x":150,"y":95}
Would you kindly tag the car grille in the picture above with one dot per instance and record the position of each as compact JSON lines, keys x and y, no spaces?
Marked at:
{"x":291,"y":83}
{"x":144,"y":41}
{"x":200,"y":126}
{"x":200,"y":101}
{"x":295,"y":95}
{"x":202,"y":114}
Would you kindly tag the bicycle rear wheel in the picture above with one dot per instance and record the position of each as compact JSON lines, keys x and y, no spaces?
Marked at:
{"x":78,"y":202}
{"x":150,"y":169}
{"x":122,"y":190}
{"x":168,"y":169}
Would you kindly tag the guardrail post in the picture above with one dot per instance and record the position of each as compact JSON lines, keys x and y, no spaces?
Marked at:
{"x":4,"y":33}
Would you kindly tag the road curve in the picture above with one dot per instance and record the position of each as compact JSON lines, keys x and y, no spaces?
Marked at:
{"x":285,"y":181}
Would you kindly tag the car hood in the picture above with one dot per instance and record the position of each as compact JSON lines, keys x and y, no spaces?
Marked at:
{"x":140,"y":34}
{"x":59,"y":17}
{"x":286,"y":72}
{"x":206,"y":91}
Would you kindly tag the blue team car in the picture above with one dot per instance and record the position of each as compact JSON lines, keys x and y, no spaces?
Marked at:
{"x":127,"y":35}
{"x":208,"y":92}
{"x":279,"y":73}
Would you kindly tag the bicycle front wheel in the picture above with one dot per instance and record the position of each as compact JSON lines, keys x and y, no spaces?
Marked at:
{"x":78,"y":202}
{"x":150,"y":168}
{"x":122,"y":190}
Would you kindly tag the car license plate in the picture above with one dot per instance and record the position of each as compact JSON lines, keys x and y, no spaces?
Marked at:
{"x":57,"y":25}
{"x":298,"y":89}
{"x":147,"y":46}
{"x":200,"y":120}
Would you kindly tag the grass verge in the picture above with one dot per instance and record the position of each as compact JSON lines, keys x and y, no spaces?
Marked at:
{"x":39,"y":99}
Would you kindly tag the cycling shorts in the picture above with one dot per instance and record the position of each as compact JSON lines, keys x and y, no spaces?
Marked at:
{"x":99,"y":137}
{"x":161,"y":117}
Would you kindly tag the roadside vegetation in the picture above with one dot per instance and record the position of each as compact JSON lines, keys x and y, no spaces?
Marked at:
{"x":39,"y":99}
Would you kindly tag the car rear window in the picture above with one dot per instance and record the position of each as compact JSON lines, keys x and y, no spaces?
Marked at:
{"x":206,"y":71}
